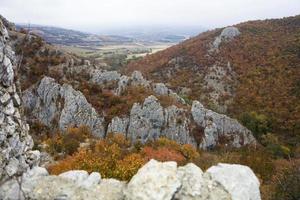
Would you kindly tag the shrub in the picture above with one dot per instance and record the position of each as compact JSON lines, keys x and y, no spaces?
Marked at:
{"x":128,"y":166}
{"x":189,"y":152}
{"x":68,"y":142}
{"x":162,"y":154}
{"x":272,"y":144}
{"x":259,"y":124}
{"x":287,"y":187}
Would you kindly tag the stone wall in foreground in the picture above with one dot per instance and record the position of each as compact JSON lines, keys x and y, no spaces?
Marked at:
{"x":154,"y":181}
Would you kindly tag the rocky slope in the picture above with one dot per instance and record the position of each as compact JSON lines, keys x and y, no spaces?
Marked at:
{"x":251,"y":67}
{"x":61,"y":106}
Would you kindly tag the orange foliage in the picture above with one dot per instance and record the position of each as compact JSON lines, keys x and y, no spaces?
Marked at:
{"x":163,"y":154}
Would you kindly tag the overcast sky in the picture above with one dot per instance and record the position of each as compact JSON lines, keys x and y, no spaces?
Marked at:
{"x":103,"y":14}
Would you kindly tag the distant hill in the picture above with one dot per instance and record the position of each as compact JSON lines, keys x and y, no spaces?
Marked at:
{"x":61,"y":36}
{"x":68,"y":37}
{"x":252,"y":76}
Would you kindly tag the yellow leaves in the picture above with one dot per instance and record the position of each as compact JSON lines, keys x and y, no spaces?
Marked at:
{"x":114,"y":158}
{"x":189,"y":152}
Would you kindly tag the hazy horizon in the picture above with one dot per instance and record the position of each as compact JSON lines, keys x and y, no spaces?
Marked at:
{"x":99,"y":16}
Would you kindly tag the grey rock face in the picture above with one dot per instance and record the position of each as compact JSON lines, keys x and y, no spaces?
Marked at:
{"x":217,"y":125}
{"x":100,"y":77}
{"x":122,"y":84}
{"x":137,"y":79}
{"x":15,"y":142}
{"x":118,"y":125}
{"x":227,"y":34}
{"x":176,"y":125}
{"x":146,"y":120}
{"x":52,"y":103}
{"x":160,"y":89}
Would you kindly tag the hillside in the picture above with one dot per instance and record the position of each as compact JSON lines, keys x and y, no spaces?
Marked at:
{"x":111,"y":126}
{"x":61,"y":36}
{"x":253,"y":75}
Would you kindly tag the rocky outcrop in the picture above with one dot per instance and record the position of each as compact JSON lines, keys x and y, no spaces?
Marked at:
{"x":177,"y":125}
{"x":154,"y":181}
{"x":16,"y":155}
{"x":101,"y":77}
{"x":217,"y":125}
{"x":61,"y":105}
{"x":118,"y":125}
{"x":146,"y":121}
{"x":227,"y":34}
{"x":150,"y":121}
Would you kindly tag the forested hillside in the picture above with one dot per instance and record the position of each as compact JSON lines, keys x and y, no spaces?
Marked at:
{"x":260,"y":69}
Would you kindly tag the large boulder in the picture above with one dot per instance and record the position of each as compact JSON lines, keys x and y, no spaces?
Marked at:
{"x":164,"y":181}
{"x":196,"y":186}
{"x":218,"y":125}
{"x":238,"y":180}
{"x":154,"y":181}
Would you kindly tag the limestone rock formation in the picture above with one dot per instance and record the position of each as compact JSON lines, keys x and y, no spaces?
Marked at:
{"x":217,"y":125}
{"x":100,"y":77}
{"x":190,"y":183}
{"x":16,"y":155}
{"x":118,"y":125}
{"x":50,"y":102}
{"x":146,"y":120}
{"x":238,"y":180}
{"x":227,"y":34}
{"x":154,"y":176}
{"x":196,"y":186}
{"x":177,"y":125}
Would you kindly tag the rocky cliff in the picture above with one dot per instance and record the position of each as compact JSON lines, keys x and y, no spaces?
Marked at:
{"x":16,"y":156}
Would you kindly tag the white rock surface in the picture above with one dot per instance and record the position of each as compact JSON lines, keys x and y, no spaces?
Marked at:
{"x":154,"y":181}
{"x":238,"y":180}
{"x":77,"y":176}
{"x":227,"y":34}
